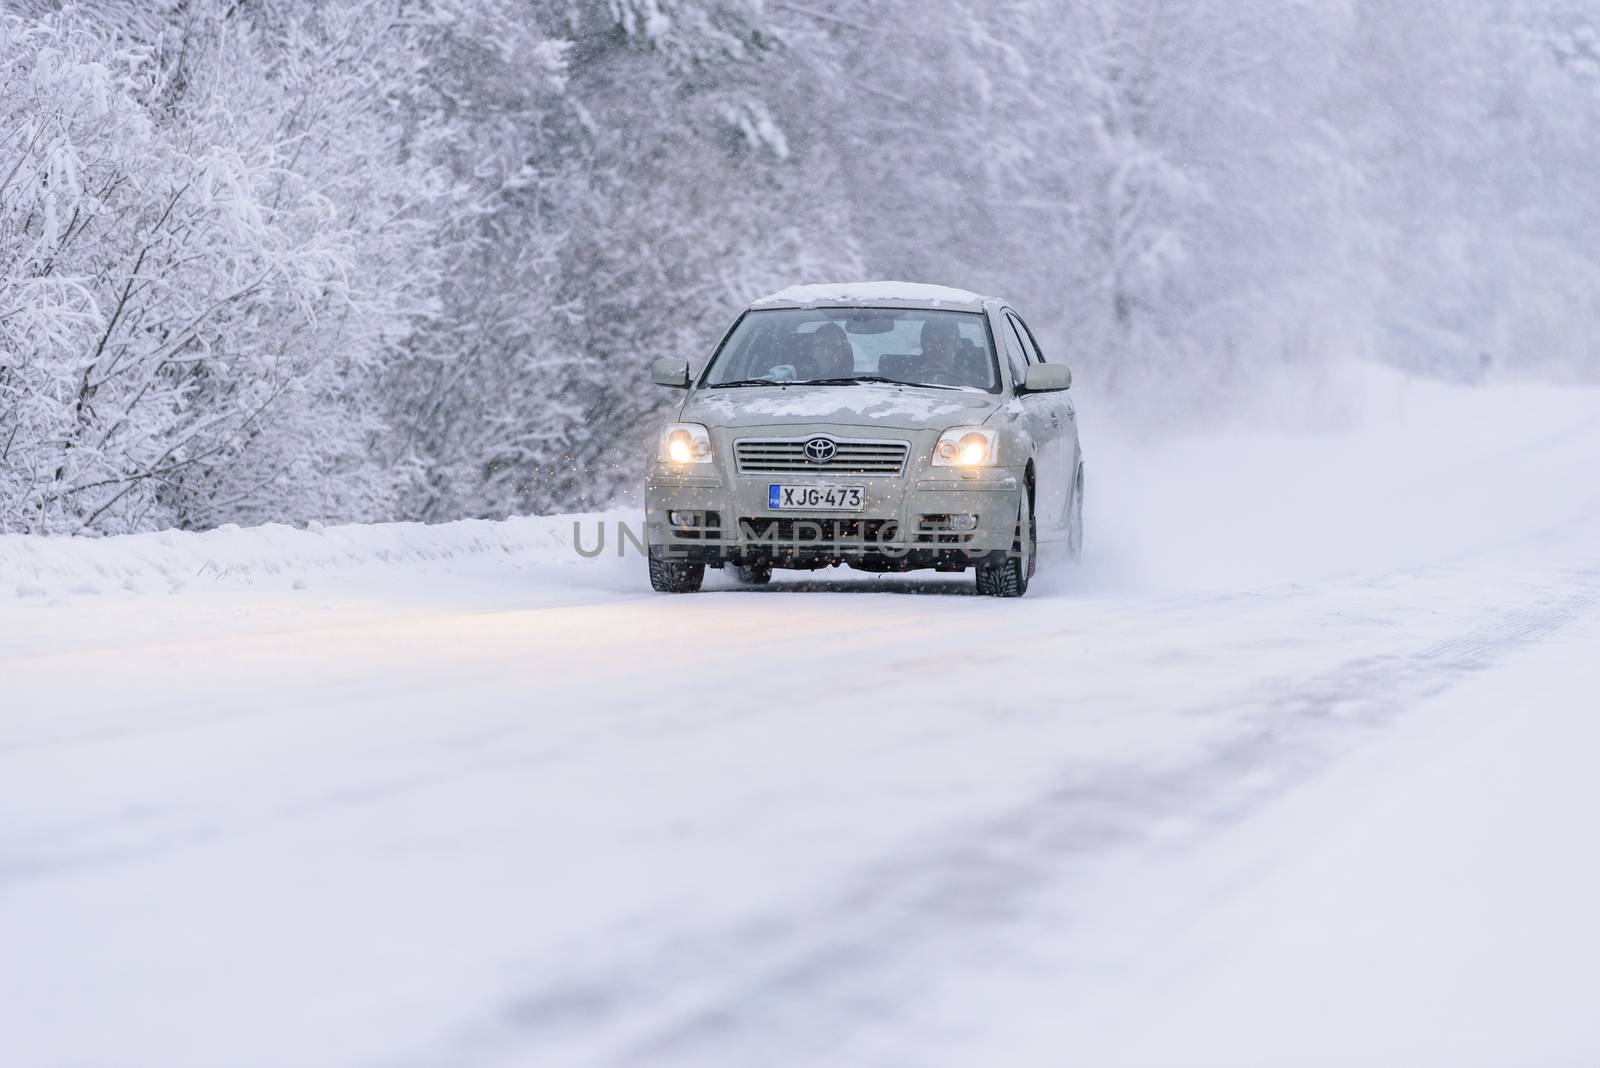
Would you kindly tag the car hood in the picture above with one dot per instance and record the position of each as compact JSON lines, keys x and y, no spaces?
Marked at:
{"x":868,"y":404}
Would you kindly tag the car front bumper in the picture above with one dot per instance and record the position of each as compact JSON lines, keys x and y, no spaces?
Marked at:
{"x":903,"y":524}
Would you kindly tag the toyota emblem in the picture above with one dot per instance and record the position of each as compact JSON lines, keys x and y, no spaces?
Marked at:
{"x":820,"y":450}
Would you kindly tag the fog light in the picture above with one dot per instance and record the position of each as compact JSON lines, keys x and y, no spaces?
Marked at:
{"x":963,"y":522}
{"x":683,"y":519}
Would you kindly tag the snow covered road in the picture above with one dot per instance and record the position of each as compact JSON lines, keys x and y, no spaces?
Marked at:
{"x":1296,"y":769}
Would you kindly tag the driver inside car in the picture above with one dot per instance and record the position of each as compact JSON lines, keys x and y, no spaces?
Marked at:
{"x":832,"y":355}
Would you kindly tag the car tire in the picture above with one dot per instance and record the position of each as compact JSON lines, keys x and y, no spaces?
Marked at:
{"x":1075,"y":524}
{"x":676,"y":576}
{"x":758,"y":574}
{"x":1009,"y":575}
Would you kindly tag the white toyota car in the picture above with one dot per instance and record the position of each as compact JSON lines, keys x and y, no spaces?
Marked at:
{"x":884,"y":426}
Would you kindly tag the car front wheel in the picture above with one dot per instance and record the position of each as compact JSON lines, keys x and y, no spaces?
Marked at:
{"x":757,"y":574}
{"x":1008,"y":576}
{"x":675,"y":576}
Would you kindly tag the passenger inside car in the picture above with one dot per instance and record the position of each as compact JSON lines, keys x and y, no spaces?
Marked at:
{"x":943,"y":360}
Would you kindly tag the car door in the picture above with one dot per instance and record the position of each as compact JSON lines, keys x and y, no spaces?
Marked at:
{"x":1043,"y":421}
{"x":1067,"y":425}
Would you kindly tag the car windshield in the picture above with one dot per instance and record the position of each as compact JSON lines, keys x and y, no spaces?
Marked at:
{"x":842,"y":346}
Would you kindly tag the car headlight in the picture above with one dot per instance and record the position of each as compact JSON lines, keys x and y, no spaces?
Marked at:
{"x":685,"y":443}
{"x":965,"y":446}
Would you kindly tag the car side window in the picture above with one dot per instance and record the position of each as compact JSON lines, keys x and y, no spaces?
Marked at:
{"x":1026,"y":337}
{"x":1016,"y":355}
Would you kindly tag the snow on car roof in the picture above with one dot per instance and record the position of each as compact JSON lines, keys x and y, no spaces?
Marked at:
{"x":873,"y":293}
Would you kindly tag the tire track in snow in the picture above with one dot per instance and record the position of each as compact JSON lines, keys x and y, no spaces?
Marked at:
{"x":806,"y":985}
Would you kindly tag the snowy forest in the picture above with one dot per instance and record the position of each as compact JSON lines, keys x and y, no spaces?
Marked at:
{"x":294,"y":260}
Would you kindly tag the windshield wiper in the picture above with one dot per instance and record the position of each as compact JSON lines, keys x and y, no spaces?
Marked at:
{"x":852,"y":379}
{"x":844,"y":380}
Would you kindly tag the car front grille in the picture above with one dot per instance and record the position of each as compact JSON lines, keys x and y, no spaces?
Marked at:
{"x":781,"y":456}
{"x":795,"y":531}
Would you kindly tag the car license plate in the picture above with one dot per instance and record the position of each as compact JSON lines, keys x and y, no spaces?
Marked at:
{"x":815,"y":498}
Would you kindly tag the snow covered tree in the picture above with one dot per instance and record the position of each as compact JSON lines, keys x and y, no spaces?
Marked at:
{"x":174,"y":258}
{"x":609,"y":243}
{"x":355,"y":259}
{"x":225,"y":311}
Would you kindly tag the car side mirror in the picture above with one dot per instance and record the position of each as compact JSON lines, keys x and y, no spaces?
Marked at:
{"x":1047,"y":378}
{"x":669,"y":371}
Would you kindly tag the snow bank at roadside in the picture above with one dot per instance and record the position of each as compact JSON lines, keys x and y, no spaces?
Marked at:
{"x":33,"y":566}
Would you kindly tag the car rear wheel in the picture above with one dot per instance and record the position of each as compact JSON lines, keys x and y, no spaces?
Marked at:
{"x":1075,"y":524}
{"x":676,"y":576}
{"x":1008,"y":576}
